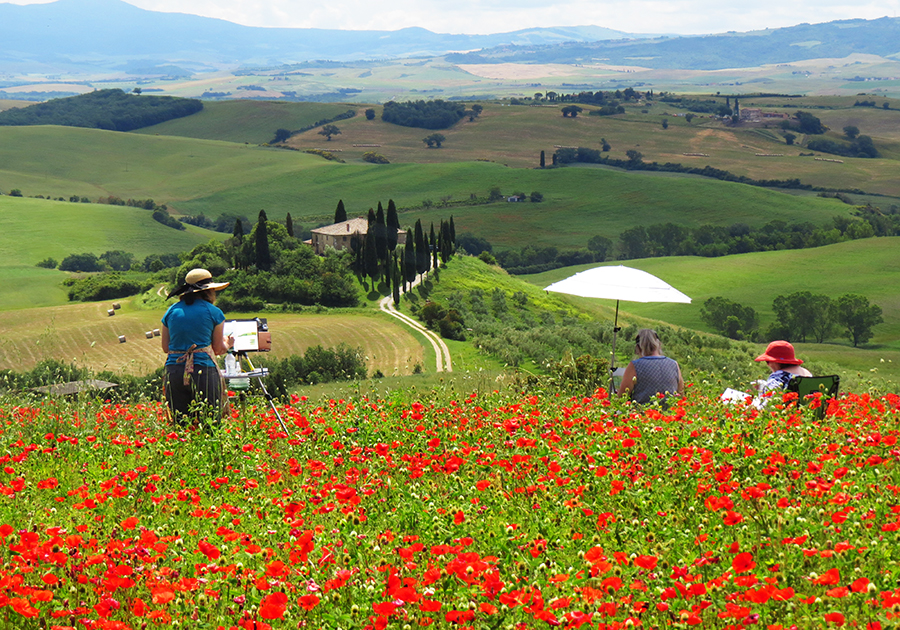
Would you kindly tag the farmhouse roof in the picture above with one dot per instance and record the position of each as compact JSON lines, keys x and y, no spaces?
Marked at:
{"x":358,"y":225}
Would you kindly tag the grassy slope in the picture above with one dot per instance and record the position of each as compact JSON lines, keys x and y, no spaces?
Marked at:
{"x":34,"y":229}
{"x":515,"y":135}
{"x":868,"y":267}
{"x":212,"y":177}
{"x":246,"y":121}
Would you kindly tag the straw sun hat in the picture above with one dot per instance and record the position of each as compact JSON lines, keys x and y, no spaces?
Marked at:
{"x":198,"y":280}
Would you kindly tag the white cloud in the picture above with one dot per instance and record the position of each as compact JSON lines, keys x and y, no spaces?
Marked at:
{"x":495,"y":16}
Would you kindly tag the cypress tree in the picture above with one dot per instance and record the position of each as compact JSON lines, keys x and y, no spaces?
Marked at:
{"x":422,"y":256}
{"x":370,"y":219}
{"x":395,"y":279}
{"x":237,"y":239}
{"x":289,"y":224}
{"x":409,"y":262}
{"x":263,"y":255}
{"x":432,"y":240}
{"x":542,"y":160}
{"x":340,"y":215}
{"x":452,"y":234}
{"x":381,"y":238}
{"x":370,"y":256}
{"x":393,"y":225}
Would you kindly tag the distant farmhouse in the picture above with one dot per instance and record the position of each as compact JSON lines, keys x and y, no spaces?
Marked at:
{"x":756,"y":115}
{"x":340,"y":236}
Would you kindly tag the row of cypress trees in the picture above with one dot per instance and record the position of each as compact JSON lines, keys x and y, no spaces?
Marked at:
{"x":380,"y":257}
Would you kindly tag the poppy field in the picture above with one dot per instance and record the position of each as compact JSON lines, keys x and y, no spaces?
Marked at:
{"x":479,"y":511}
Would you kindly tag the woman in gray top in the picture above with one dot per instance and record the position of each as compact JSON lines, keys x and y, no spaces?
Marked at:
{"x":651,"y":374}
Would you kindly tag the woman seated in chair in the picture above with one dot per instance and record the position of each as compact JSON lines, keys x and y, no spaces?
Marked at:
{"x":651,"y":374}
{"x":779,"y":356}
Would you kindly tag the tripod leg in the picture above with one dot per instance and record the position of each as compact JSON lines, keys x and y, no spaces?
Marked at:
{"x":272,"y":404}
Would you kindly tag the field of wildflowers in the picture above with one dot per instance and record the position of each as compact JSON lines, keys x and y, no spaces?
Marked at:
{"x":478,"y":511}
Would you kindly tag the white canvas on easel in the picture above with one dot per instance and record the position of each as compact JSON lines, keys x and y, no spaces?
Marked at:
{"x":245,"y":334}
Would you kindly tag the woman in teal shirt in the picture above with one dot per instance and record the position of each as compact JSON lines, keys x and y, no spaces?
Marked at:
{"x":192,"y":336}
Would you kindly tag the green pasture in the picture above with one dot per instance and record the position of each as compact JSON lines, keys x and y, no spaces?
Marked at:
{"x":246,"y":121}
{"x":32,"y":230}
{"x":212,"y":177}
{"x":869,"y":267}
{"x":59,"y":161}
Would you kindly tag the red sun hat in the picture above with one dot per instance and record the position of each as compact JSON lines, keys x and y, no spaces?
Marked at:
{"x":780,"y":352}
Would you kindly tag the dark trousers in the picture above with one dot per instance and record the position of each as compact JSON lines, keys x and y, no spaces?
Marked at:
{"x":198,"y":402}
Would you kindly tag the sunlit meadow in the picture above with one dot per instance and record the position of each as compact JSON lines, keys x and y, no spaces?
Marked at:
{"x":471,"y":511}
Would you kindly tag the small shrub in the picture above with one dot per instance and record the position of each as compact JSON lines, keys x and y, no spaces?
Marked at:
{"x":374,"y":158}
{"x":48,"y":263}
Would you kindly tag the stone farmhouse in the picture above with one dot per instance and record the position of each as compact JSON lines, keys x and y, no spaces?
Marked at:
{"x":756,"y":115}
{"x":339,"y":236}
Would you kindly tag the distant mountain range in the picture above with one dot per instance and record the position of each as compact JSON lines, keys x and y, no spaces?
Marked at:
{"x":714,"y":52}
{"x":108,"y":35}
{"x":102,"y":36}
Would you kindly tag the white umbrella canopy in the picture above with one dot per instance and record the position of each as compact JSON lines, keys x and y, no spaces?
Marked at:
{"x":619,"y":283}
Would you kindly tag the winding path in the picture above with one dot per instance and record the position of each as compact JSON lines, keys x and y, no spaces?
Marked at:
{"x":441,"y":351}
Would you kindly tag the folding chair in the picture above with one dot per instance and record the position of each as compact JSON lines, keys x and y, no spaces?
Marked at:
{"x":805,"y":386}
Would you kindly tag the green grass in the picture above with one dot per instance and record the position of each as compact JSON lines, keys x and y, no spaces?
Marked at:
{"x":32,"y":230}
{"x":246,"y":121}
{"x":195,"y":176}
{"x":868,"y":267}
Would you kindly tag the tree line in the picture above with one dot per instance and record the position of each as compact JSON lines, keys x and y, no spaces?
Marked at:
{"x":110,"y":109}
{"x":436,"y":114}
{"x":635,"y":162}
{"x":799,"y":317}
{"x":669,"y":239}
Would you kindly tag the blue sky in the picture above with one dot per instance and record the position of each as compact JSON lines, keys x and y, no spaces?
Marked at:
{"x":495,"y":16}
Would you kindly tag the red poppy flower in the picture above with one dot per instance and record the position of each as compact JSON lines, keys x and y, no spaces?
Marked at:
{"x":646,"y":562}
{"x":743,"y":562}
{"x":273,"y":606}
{"x":829,"y":578}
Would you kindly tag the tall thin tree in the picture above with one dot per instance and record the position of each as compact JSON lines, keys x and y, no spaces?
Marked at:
{"x":409,"y":261}
{"x":381,"y":238}
{"x":263,"y":255}
{"x":340,"y":215}
{"x":422,"y":256}
{"x":370,"y":256}
{"x":393,"y":225}
{"x":432,"y":242}
{"x":289,"y":224}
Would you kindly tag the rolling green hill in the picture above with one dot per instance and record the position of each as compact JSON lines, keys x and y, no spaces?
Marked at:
{"x":212,"y":177}
{"x":246,"y":121}
{"x":34,"y":229}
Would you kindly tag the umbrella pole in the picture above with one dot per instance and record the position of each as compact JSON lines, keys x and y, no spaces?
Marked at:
{"x":612,"y":360}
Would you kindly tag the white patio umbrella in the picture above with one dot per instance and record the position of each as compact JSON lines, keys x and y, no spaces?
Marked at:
{"x":619,"y":283}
